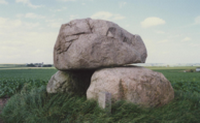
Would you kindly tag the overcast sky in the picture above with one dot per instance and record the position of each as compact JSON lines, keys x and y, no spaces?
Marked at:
{"x":170,"y":29}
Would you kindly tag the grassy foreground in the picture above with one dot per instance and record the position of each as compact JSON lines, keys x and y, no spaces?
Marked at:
{"x":39,"y":107}
{"x":31,"y":104}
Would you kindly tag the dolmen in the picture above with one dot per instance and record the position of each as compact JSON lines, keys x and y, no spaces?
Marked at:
{"x":94,"y":56}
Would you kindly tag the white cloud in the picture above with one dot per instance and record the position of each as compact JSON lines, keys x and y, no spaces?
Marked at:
{"x":118,"y":17}
{"x":23,"y":42}
{"x":102,"y":15}
{"x":186,"y":39}
{"x":30,"y":15}
{"x":9,"y":25}
{"x":107,"y":16}
{"x":34,"y":16}
{"x":28,"y":47}
{"x":195,"y":45}
{"x":28,"y":3}
{"x":58,"y":10}
{"x":197,"y":20}
{"x":3,"y":21}
{"x":54,"y":23}
{"x":175,"y":35}
{"x":72,"y":17}
{"x":122,"y":4}
{"x":127,"y":25}
{"x":163,"y":41}
{"x":152,"y":21}
{"x":159,"y":32}
{"x":38,"y":51}
{"x":31,"y":25}
{"x":19,"y":15}
{"x":3,"y":2}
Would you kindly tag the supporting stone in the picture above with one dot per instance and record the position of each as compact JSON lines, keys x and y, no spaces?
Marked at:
{"x":138,"y":85}
{"x":104,"y":101}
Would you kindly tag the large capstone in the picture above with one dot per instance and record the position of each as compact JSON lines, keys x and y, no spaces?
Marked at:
{"x":92,"y":44}
{"x":134,"y":84}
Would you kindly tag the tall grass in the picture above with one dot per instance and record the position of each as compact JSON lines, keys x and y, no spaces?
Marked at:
{"x":39,"y":107}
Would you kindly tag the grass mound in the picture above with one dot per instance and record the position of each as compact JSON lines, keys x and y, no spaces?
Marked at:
{"x":37,"y":106}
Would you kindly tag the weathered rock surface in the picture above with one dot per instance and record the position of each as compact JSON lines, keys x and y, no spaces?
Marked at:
{"x":76,"y":82}
{"x":91,"y":44}
{"x":134,"y":84}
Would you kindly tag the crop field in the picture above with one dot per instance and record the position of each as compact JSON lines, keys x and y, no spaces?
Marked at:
{"x":12,"y":80}
{"x":26,"y":87}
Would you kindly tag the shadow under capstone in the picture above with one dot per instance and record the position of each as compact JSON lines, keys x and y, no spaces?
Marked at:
{"x":73,"y":81}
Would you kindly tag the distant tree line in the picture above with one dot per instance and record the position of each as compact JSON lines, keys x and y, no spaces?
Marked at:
{"x":38,"y":65}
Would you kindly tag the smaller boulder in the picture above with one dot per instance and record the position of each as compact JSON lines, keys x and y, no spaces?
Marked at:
{"x":134,"y":84}
{"x":75,"y":82}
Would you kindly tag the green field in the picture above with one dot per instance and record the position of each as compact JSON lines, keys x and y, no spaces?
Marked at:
{"x":14,"y":66}
{"x":12,"y":80}
{"x":17,"y":76}
{"x":30,"y":103}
